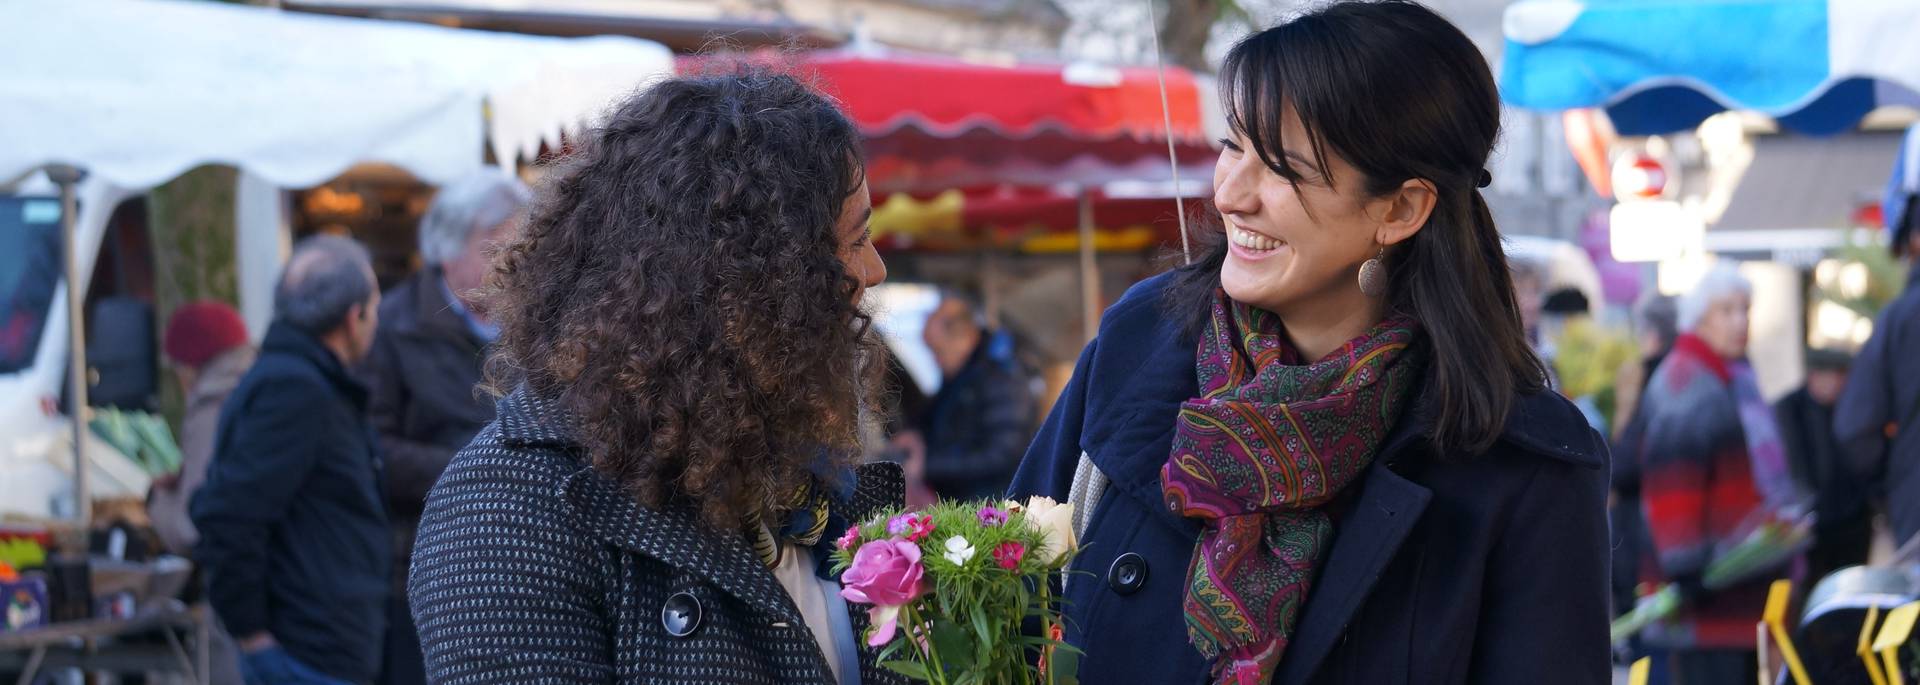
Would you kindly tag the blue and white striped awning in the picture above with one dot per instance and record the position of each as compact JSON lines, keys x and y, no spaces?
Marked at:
{"x":1657,"y":66}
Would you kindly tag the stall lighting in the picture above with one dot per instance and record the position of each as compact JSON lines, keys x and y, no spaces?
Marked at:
{"x":1826,"y":272}
{"x":1834,"y":322}
{"x":1854,"y":281}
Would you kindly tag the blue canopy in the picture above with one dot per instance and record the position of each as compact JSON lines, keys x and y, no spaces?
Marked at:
{"x":1658,"y":66}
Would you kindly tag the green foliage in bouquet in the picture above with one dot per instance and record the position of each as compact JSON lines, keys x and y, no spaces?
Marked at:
{"x":952,"y":589}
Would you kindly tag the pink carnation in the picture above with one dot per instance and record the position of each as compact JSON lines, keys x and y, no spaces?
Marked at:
{"x":851,"y":538}
{"x":1008,"y":554}
{"x":915,"y":527}
{"x":990,"y":516}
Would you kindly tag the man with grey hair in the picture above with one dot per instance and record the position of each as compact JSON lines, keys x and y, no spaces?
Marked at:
{"x":425,"y":365}
{"x":293,"y":529}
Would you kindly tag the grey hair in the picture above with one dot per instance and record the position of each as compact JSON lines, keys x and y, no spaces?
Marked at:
{"x":1657,"y":314}
{"x":324,"y":279}
{"x":477,"y":201}
{"x":1720,"y":281}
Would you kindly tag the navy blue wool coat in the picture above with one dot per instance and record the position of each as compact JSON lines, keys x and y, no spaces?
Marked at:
{"x":1445,"y":568}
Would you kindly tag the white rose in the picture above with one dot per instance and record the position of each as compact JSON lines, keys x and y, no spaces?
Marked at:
{"x":1055,"y":520}
{"x":958,"y":550}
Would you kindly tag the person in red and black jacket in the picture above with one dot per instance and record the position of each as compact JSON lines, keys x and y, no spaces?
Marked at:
{"x":1712,"y":465}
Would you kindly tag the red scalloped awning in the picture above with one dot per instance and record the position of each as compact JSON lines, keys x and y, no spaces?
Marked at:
{"x":947,"y":97}
{"x":935,"y":122}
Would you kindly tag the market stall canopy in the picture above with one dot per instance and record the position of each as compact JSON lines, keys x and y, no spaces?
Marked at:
{"x":1657,"y":66}
{"x":933,"y":123}
{"x":138,"y":91}
{"x":1031,"y":220}
{"x":1799,"y":195}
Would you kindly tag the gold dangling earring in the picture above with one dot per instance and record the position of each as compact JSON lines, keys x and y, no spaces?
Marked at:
{"x":1373,"y":275}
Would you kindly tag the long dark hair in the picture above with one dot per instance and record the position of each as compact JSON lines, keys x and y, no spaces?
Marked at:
{"x":1399,"y":93}
{"x":678,"y":292}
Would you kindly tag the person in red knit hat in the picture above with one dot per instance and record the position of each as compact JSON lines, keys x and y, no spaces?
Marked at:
{"x":206,"y":344}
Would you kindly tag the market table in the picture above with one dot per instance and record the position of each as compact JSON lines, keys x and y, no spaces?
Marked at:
{"x":97,"y":644}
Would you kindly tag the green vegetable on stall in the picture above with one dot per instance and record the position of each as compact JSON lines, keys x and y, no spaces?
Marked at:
{"x":143,"y":437}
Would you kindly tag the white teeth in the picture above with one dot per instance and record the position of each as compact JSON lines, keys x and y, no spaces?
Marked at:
{"x":1251,"y":240}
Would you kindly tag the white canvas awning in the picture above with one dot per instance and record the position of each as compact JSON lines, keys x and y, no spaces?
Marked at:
{"x":135,"y":92}
{"x":138,"y":91}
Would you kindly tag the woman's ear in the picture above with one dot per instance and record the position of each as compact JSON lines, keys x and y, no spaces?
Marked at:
{"x":1406,"y":210}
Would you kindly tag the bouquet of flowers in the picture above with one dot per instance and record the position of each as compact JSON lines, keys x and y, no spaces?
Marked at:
{"x":952,"y":587}
{"x":1768,"y":545}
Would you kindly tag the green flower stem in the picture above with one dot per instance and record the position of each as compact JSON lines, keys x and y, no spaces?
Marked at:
{"x":935,"y":674}
{"x":1046,"y":625}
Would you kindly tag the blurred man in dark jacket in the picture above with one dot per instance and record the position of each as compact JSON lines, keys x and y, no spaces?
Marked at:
{"x":1878,"y":419}
{"x":425,"y":366}
{"x":293,"y":527}
{"x":1843,"y":525}
{"x":983,"y":416}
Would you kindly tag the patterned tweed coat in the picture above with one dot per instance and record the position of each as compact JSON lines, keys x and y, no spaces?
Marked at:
{"x":531,"y":567}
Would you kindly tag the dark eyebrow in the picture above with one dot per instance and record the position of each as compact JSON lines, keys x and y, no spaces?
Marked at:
{"x":1296,"y":157}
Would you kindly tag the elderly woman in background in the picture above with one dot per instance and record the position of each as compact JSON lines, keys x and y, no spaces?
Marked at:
{"x":425,"y":364}
{"x":1712,"y":464}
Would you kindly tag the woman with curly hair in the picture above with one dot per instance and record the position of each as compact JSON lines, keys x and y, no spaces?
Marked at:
{"x":684,"y":364}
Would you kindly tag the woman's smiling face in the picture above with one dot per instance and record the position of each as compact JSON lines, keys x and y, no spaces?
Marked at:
{"x":1289,"y":241}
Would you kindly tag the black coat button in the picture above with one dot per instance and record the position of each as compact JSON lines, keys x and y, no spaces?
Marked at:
{"x":681,"y":615}
{"x":1128,"y":574}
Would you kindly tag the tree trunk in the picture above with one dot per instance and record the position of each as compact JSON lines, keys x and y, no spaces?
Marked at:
{"x":190,"y":221}
{"x":1185,"y":30}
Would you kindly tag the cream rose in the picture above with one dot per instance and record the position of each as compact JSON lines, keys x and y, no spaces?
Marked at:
{"x":1055,"y":520}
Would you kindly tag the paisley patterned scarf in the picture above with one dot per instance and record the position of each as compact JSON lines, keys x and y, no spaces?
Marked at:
{"x":1269,"y":442}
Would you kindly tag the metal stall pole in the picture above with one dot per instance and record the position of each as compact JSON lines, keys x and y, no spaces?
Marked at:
{"x":1089,"y":269}
{"x":67,"y":177}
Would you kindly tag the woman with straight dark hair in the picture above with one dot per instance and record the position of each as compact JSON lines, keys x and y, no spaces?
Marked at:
{"x":1323,"y":452}
{"x":686,"y":364}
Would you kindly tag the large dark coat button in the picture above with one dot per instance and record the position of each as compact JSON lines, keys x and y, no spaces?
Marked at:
{"x":1128,"y":574}
{"x":681,"y":615}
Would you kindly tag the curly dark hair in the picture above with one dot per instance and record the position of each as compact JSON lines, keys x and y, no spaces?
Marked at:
{"x":678,"y":291}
